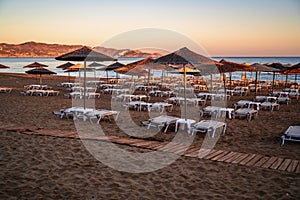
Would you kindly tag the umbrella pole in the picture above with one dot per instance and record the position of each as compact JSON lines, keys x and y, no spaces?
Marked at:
{"x":224,"y":82}
{"x":295,"y":78}
{"x":211,"y":84}
{"x":148,"y":77}
{"x":69,"y":77}
{"x":84,"y":86}
{"x":273,"y":82}
{"x":230,"y":79}
{"x":255,"y":83}
{"x":184,"y":86}
{"x":106,"y":76}
{"x":41,"y":81}
{"x":286,"y":79}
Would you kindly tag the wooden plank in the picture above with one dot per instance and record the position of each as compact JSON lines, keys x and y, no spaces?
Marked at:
{"x":169,"y":146}
{"x":181,"y":150}
{"x":192,"y":152}
{"x":292,"y":166}
{"x":298,"y":168}
{"x":151,"y":144}
{"x":213,"y":154}
{"x":154,"y":145}
{"x":277,"y":163}
{"x":130,"y":141}
{"x":261,"y":161}
{"x":160,"y":146}
{"x":234,"y":157}
{"x":203,"y":152}
{"x":220,"y":155}
{"x":226,"y":157}
{"x":284,"y":165}
{"x":141,"y":144}
{"x":176,"y":148}
{"x":192,"y":149}
{"x":116,"y":140}
{"x":269,"y":162}
{"x":240,"y":158}
{"x":247,"y":159}
{"x":254,"y":160}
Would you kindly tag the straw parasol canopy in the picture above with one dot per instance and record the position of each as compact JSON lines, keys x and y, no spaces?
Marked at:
{"x":138,"y":65}
{"x":35,"y":65}
{"x":262,"y":68}
{"x":189,"y":71}
{"x":84,"y":54}
{"x":65,"y":66}
{"x":229,"y":66}
{"x":114,"y":66}
{"x":204,"y":64}
{"x":175,"y":59}
{"x":78,"y":67}
{"x":4,"y":66}
{"x":111,"y":67}
{"x":95,"y":64}
{"x":279,"y":66}
{"x":40,"y":71}
{"x":295,"y":69}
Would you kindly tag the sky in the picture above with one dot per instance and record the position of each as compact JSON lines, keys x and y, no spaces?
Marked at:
{"x":221,"y":27}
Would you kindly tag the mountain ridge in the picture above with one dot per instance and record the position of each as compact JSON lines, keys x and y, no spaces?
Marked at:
{"x":32,"y":49}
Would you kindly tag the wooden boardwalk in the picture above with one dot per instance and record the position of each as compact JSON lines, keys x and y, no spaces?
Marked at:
{"x":254,"y":160}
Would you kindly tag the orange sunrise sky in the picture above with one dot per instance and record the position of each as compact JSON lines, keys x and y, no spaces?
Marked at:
{"x":223,"y":28}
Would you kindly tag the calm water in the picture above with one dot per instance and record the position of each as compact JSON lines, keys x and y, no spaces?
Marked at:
{"x":16,"y":66}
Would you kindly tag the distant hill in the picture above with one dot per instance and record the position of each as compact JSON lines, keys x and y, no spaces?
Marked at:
{"x":37,"y":49}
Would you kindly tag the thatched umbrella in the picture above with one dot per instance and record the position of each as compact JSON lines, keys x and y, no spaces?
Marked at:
{"x":65,"y":66}
{"x":111,"y":67}
{"x":230,"y":67}
{"x":84,"y":54}
{"x":205,"y":65}
{"x":294,"y":69}
{"x":261,"y":68}
{"x":279,"y":67}
{"x":40,"y":71}
{"x":4,"y":66}
{"x":95,"y":64}
{"x":137,"y":67}
{"x":35,"y":65}
{"x":175,"y":59}
{"x":188,"y":71}
{"x":79,"y":68}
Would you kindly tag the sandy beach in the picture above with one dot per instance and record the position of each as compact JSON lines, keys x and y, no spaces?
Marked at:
{"x":45,"y":167}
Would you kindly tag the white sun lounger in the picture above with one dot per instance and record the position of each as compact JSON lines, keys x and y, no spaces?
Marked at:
{"x":161,"y":121}
{"x":269,"y":105}
{"x":292,"y":134}
{"x":206,"y":126}
{"x":249,"y":113}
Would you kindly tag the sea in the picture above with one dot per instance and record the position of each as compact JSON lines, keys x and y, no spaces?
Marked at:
{"x":16,"y":66}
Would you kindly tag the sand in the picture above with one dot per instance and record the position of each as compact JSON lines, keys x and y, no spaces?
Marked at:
{"x":43,"y":167}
